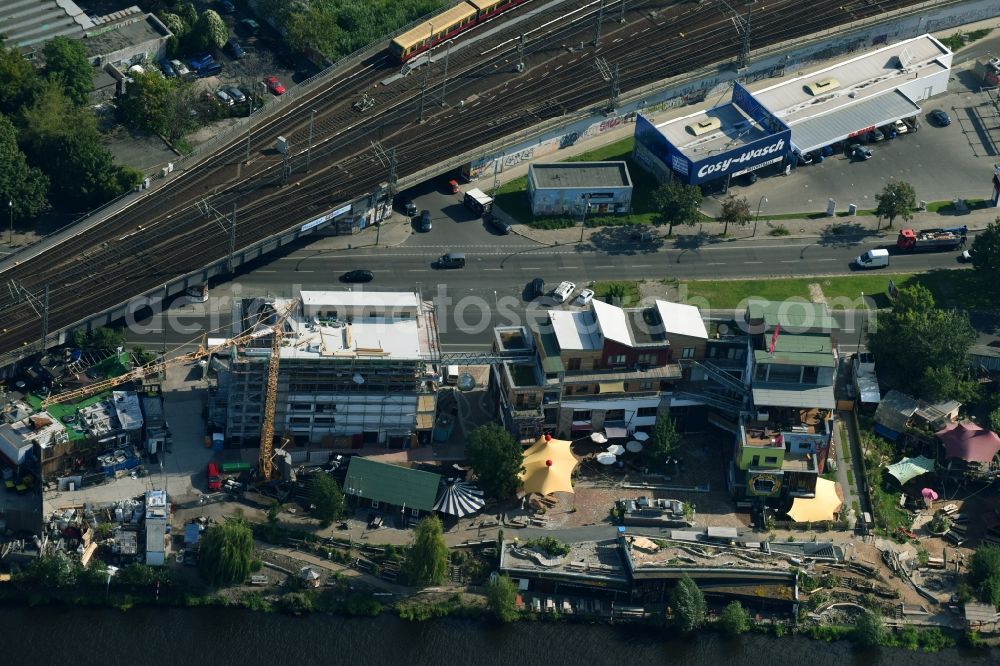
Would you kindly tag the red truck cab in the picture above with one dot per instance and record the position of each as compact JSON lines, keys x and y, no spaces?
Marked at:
{"x":214,"y":481}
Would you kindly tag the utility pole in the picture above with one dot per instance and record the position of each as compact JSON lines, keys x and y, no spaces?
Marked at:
{"x":600,"y":20}
{"x":230,"y":262}
{"x":427,"y":69}
{"x":520,"y":53}
{"x":249,"y":123}
{"x":743,"y":28}
{"x":444,"y":84}
{"x":312,"y":117}
{"x":386,"y":159}
{"x":45,"y":316}
{"x":40,"y":305}
{"x":228,"y":225}
{"x":286,"y":164}
{"x":621,"y":18}
{"x":612,"y":77}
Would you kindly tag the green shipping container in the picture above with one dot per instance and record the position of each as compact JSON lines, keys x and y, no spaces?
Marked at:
{"x":235,"y":467}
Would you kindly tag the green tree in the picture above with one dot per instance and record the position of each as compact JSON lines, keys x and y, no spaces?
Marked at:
{"x":48,"y":571}
{"x":986,"y":250}
{"x":427,"y":558}
{"x":326,"y":499}
{"x":923,"y":347}
{"x":501,"y":598}
{"x":869,"y":629}
{"x":663,"y":443}
{"x":688,"y":603}
{"x":18,"y":79}
{"x":66,"y":62}
{"x":735,"y":210}
{"x":24,"y":185}
{"x":984,"y":574}
{"x":209,"y":32}
{"x":101,"y":337}
{"x":677,"y":203}
{"x":226,"y":553}
{"x":175,"y":24}
{"x":734,"y":620}
{"x":995,"y":419}
{"x":188,"y":14}
{"x":497,"y":459}
{"x":897,"y":199}
{"x":158,"y":105}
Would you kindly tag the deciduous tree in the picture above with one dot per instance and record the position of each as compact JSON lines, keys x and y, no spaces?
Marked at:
{"x":688,"y":603}
{"x":18,"y":79}
{"x":497,"y":459}
{"x":897,"y":199}
{"x":984,"y":574}
{"x":226,"y":552}
{"x":869,"y":629}
{"x":735,"y":210}
{"x":664,"y":442}
{"x":66,"y":62}
{"x":677,"y":203}
{"x":157,"y":105}
{"x":24,"y":185}
{"x":427,"y":558}
{"x":986,"y":251}
{"x":326,"y":499}
{"x":501,"y":598}
{"x":922,"y":347}
{"x":734,"y":619}
{"x":209,"y":32}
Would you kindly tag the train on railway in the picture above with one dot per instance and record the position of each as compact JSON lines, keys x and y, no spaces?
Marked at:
{"x":446,"y":25}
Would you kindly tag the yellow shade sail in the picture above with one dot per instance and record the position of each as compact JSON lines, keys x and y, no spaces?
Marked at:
{"x":548,"y":467}
{"x":815,"y":509}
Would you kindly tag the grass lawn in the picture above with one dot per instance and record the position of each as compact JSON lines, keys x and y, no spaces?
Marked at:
{"x":60,"y":411}
{"x":965,"y":289}
{"x":630,"y":288}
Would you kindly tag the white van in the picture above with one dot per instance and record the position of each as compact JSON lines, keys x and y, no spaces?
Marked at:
{"x":451,"y":375}
{"x":873,"y":259}
{"x":563,"y":291}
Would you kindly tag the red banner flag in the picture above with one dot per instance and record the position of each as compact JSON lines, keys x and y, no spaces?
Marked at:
{"x":774,"y":339}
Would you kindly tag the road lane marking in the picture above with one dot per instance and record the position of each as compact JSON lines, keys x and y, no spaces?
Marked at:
{"x":753,"y":262}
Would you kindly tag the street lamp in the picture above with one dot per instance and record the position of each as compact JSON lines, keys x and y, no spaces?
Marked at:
{"x":586,"y":207}
{"x":763,"y":200}
{"x":10,"y":238}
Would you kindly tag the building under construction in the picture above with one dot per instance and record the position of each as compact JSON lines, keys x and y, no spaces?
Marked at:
{"x":355,"y":370}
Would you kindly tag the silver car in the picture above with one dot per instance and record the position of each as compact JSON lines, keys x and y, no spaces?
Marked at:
{"x":236,"y":94}
{"x":180,"y":68}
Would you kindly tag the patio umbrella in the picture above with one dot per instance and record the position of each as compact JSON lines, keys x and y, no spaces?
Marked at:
{"x":640,"y":436}
{"x":548,"y":467}
{"x":969,"y":442}
{"x":929,"y":494}
{"x":633,"y":446}
{"x":457,"y":498}
{"x":606,"y":458}
{"x":616,"y":449}
{"x":598,"y":438}
{"x":821,"y":507}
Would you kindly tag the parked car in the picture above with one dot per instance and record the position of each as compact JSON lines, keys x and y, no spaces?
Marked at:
{"x":234,"y":49}
{"x":900,"y":127}
{"x":168,"y":69}
{"x":274,"y":85}
{"x":425,"y":220}
{"x":224,"y":97}
{"x":226,"y":7}
{"x":249,"y":26}
{"x":357,"y":276}
{"x":180,"y":68}
{"x":236,"y":94}
{"x":859,"y":152}
{"x":536,"y":288}
{"x":453,"y":186}
{"x":410,"y":208}
{"x":499,"y":225}
{"x":876,"y":135}
{"x":585,"y":297}
{"x":201,"y":61}
{"x":210,"y":70}
{"x":564,"y":291}
{"x":940,"y":118}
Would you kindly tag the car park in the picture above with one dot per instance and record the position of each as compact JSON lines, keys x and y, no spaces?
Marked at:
{"x":357,"y":276}
{"x":859,"y":153}
{"x":940,"y":118}
{"x":274,"y":85}
{"x":236,"y":94}
{"x":536,"y":288}
{"x":585,"y":297}
{"x":564,"y":291}
{"x":425,"y":220}
{"x":234,"y":49}
{"x":180,"y":68}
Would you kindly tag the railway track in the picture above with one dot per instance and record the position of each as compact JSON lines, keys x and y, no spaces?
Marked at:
{"x":164,"y":234}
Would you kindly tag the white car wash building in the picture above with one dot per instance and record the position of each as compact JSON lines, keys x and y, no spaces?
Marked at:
{"x":788,"y":122}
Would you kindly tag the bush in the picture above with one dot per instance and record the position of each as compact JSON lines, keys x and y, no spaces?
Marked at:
{"x":548,"y":546}
{"x":779,"y":230}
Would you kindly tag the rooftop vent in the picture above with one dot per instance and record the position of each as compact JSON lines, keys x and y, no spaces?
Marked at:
{"x":704,"y":126}
{"x":817,"y":88}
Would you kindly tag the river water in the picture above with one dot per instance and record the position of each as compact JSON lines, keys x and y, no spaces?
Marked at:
{"x":224,"y":637}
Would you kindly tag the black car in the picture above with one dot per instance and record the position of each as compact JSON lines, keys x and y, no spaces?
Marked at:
{"x":875,"y":135}
{"x":410,"y":208}
{"x":499,"y":225}
{"x":425,"y":220}
{"x":234,"y":49}
{"x":357,"y":276}
{"x":940,"y":118}
{"x":536,"y":289}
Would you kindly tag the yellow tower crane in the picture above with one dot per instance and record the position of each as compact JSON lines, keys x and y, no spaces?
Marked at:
{"x":271,"y":394}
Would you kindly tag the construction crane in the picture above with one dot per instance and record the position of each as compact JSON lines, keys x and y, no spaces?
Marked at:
{"x":276,"y":330}
{"x":271,"y":395}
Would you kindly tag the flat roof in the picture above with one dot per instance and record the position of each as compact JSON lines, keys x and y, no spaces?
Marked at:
{"x":682,"y":319}
{"x":866,"y":75}
{"x":612,"y":322}
{"x":763,"y":357}
{"x":736,"y":129}
{"x":834,"y":124}
{"x":360,"y":297}
{"x":792,"y":314}
{"x":575,"y":331}
{"x":373,"y":337}
{"x":393,"y":484}
{"x":804,"y":343}
{"x":123,"y":36}
{"x":560,"y":175}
